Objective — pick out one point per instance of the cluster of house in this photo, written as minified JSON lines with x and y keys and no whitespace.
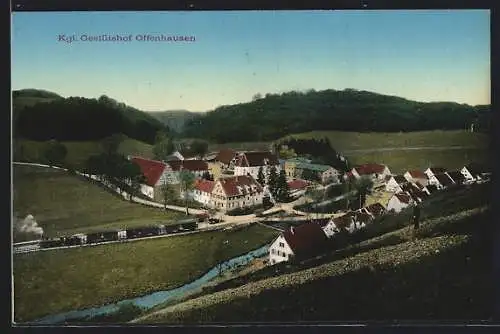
{"x":233,"y":175}
{"x":411,"y":187}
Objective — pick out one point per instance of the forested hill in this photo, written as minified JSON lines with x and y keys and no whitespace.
{"x":78,"y":118}
{"x":277,"y":115}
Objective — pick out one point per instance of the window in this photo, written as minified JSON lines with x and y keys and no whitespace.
{"x":282,"y":244}
{"x":273,"y":251}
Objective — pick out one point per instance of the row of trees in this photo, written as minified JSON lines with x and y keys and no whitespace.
{"x":276,"y":183}
{"x":164,"y":146}
{"x":114,"y":168}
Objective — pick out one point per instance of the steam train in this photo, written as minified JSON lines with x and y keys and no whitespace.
{"x":117,"y":235}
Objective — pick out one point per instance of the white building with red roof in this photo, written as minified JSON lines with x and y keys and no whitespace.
{"x":302,"y":240}
{"x":154,"y":172}
{"x":249,"y":163}
{"x":399,"y":201}
{"x":417,"y":176}
{"x":297,"y":187}
{"x":377,"y":172}
{"x":202,"y":191}
{"x":228,"y":193}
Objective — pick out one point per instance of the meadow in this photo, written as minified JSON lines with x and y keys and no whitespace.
{"x":80,"y":151}
{"x":64,"y":203}
{"x":56,"y":281}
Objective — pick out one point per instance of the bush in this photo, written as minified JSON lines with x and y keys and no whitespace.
{"x":244,"y":211}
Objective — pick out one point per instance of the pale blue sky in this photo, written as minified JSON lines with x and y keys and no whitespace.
{"x":421,"y":55}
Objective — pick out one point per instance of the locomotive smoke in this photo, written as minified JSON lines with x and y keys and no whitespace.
{"x":28,"y":225}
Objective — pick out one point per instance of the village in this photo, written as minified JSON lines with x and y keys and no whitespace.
{"x":231,"y":180}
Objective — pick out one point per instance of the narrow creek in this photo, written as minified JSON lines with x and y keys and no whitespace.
{"x":155,"y":298}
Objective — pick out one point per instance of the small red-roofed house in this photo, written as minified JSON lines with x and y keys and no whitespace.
{"x":399,"y":201}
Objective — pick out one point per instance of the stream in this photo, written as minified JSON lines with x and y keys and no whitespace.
{"x":155,"y":298}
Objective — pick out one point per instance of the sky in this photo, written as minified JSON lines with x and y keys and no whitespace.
{"x":440,"y":55}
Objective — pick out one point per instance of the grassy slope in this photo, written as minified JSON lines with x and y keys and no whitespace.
{"x":475,"y":148}
{"x":63,"y":203}
{"x":62,"y":280}
{"x":345,"y":141}
{"x":442,"y":274}
{"x":78,"y":152}
{"x":444,"y":215}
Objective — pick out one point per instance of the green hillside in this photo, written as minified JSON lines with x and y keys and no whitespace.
{"x":78,"y":118}
{"x":278,"y":115}
{"x":80,"y":151}
{"x":64,"y":204}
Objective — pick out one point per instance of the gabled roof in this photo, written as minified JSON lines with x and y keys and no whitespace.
{"x":151,"y":169}
{"x":297,"y":184}
{"x":375,"y":209}
{"x":400,"y":179}
{"x":256,"y":158}
{"x":369,"y":169}
{"x":190,"y":165}
{"x":414,"y":191}
{"x":437,"y":170}
{"x":456,"y":176}
{"x":205,"y":186}
{"x":239,"y":185}
{"x":225,"y":155}
{"x":403,"y":197}
{"x":444,"y":179}
{"x":344,"y":221}
{"x":363,"y":217}
{"x":305,"y":238}
{"x":320,"y":221}
{"x":431,"y":188}
{"x":417,"y":174}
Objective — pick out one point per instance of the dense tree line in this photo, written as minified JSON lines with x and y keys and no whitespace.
{"x":277,"y":115}
{"x":76,"y":118}
{"x":318,"y":150}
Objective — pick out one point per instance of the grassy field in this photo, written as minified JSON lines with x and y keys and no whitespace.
{"x":64,"y":204}
{"x":400,"y":161}
{"x":62,"y":280}
{"x":440,"y":273}
{"x":345,"y":141}
{"x":79,"y":152}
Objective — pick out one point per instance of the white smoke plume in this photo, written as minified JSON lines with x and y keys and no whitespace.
{"x":28,"y":225}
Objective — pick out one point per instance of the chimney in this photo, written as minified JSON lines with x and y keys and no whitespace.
{"x":292,"y":230}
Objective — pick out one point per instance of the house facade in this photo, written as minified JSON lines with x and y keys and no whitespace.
{"x":297,"y":187}
{"x":432,"y":171}
{"x":290,"y":166}
{"x":300,"y":241}
{"x":249,"y":163}
{"x":155,"y":172}
{"x":398,"y":202}
{"x":280,"y":250}
{"x":417,"y":176}
{"x":377,"y":172}
{"x":174,"y":168}
{"x":202,"y":192}
{"x":395,"y":183}
{"x":474,"y":173}
{"x":228,"y":193}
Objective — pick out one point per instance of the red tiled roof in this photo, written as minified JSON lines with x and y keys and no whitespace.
{"x":151,"y":169}
{"x":403,"y":197}
{"x":304,"y":238}
{"x":297,"y":184}
{"x":414,"y":191}
{"x":226,"y":155}
{"x":191,"y":165}
{"x":254,"y":159}
{"x":363,"y":217}
{"x":235,"y":185}
{"x":205,"y":185}
{"x":320,"y":221}
{"x":345,"y":220}
{"x":370,"y":169}
{"x":417,"y":174}
{"x":375,"y":209}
